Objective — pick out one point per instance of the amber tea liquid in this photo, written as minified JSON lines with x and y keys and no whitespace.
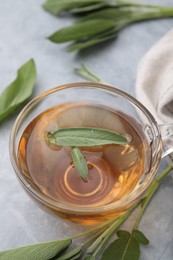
{"x":113,"y":169}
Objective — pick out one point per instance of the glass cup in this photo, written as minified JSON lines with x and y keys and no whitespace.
{"x":112,"y":99}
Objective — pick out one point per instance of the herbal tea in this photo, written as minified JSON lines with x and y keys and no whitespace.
{"x":113,"y":170}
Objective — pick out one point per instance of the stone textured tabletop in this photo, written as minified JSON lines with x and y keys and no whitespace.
{"x":24,"y":26}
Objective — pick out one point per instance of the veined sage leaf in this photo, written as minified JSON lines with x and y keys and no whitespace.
{"x":140,"y":237}
{"x":19,"y":90}
{"x":79,"y":162}
{"x":124,"y":248}
{"x":82,"y":30}
{"x":42,"y":251}
{"x":82,"y":136}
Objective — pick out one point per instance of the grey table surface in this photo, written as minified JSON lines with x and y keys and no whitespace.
{"x":24,"y":26}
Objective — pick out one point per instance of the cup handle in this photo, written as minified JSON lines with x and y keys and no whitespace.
{"x":167,"y":139}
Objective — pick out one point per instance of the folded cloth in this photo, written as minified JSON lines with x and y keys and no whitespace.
{"x":154,"y":84}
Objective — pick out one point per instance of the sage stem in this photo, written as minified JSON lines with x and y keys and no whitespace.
{"x":149,"y":194}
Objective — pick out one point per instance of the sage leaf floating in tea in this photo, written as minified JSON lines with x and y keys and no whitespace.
{"x":81,"y":136}
{"x":79,"y":162}
{"x":19,"y":90}
{"x":42,"y":251}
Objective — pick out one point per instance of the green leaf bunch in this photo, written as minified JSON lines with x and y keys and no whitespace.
{"x":100,"y":20}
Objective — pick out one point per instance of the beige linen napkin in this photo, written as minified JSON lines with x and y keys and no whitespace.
{"x":154,"y":84}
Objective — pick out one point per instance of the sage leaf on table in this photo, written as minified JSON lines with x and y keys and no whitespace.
{"x":79,"y":162}
{"x":126,"y":246}
{"x":80,"y":30}
{"x":19,"y":90}
{"x":101,"y":38}
{"x":74,"y":6}
{"x":85,"y":136}
{"x":140,"y":237}
{"x":42,"y":251}
{"x":101,"y":20}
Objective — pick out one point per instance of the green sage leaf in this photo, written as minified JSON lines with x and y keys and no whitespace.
{"x":75,"y":257}
{"x":140,"y":237}
{"x":123,"y":233}
{"x":124,"y":248}
{"x":72,"y":255}
{"x":90,"y":258}
{"x":106,"y":13}
{"x":79,"y":163}
{"x":56,"y":6}
{"x":101,"y":37}
{"x":82,"y":30}
{"x":109,"y":14}
{"x":91,"y":42}
{"x":88,"y":8}
{"x":19,"y":90}
{"x":42,"y":251}
{"x":85,"y":137}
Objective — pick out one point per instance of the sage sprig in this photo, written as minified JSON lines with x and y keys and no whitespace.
{"x":19,"y":90}
{"x":83,"y":137}
{"x":84,"y":72}
{"x":123,"y":248}
{"x":101,"y":20}
{"x":127,"y":246}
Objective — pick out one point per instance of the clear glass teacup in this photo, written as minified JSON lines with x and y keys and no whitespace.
{"x":118,"y":174}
